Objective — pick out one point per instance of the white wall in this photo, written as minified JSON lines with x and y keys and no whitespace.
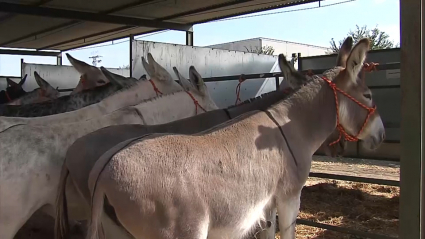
{"x":209,"y":63}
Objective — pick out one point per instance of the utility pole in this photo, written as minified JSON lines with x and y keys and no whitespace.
{"x":95,"y":59}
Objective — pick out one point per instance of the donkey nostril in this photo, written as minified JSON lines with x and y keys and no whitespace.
{"x":383,"y":136}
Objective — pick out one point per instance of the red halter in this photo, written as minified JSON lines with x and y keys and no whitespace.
{"x":341,"y":129}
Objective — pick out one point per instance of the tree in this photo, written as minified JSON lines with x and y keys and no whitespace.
{"x":266,"y":50}
{"x":379,"y":39}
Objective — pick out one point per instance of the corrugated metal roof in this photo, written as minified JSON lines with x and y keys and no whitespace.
{"x":68,"y":24}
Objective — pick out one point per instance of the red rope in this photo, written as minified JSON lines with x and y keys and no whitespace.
{"x":155,"y":88}
{"x":341,"y":129}
{"x":195,"y":102}
{"x":238,"y":89}
{"x":41,"y":93}
{"x":7,"y":96}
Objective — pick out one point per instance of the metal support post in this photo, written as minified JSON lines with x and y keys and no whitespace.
{"x":131,"y":55}
{"x":59,"y":60}
{"x":189,"y":37}
{"x":412,"y":107}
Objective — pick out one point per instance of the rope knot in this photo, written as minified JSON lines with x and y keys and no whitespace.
{"x":157,"y":91}
{"x":195,"y":101}
{"x":238,"y":88}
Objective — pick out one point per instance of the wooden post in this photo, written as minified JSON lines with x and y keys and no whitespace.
{"x":412,"y":110}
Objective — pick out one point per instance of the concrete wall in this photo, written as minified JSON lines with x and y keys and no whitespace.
{"x":209,"y":63}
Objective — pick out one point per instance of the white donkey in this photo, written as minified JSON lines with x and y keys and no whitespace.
{"x":32,"y":155}
{"x":161,"y":82}
{"x":219,"y":183}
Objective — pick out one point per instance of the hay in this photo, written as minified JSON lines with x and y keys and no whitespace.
{"x":360,"y":206}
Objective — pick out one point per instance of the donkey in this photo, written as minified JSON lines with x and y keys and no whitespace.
{"x":166,"y":186}
{"x":138,"y":90}
{"x":13,"y":91}
{"x":45,"y":93}
{"x":79,"y":162}
{"x":32,"y":155}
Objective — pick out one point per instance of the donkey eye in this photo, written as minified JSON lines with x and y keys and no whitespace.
{"x":101,"y":82}
{"x":368,"y":96}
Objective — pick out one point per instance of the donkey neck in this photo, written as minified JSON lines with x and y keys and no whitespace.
{"x":138,"y":92}
{"x":308,"y":117}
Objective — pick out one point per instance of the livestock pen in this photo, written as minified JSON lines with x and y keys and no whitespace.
{"x":406,"y":146}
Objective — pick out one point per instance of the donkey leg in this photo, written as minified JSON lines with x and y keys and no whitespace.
{"x":288,"y":208}
{"x":12,"y":219}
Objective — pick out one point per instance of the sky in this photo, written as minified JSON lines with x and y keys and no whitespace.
{"x":307,"y":23}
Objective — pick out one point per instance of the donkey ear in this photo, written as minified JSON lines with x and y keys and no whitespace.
{"x":11,"y":82}
{"x":160,"y":72}
{"x":23,"y":80}
{"x":183,"y":81}
{"x":292,"y":76}
{"x":40,"y":81}
{"x":80,"y":66}
{"x":149,"y":69}
{"x":113,"y":78}
{"x":344,"y":51}
{"x":143,"y":77}
{"x":357,"y":57}
{"x":197,"y":80}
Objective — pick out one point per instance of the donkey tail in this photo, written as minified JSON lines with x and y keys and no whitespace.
{"x":61,"y":219}
{"x":95,"y":229}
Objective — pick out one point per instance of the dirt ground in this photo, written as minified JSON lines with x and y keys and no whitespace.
{"x":360,"y":206}
{"x":366,"y":207}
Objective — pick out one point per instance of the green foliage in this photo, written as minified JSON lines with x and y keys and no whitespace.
{"x":379,"y":39}
{"x":266,"y":50}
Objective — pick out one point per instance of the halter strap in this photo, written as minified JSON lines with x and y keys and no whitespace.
{"x":342,"y":131}
{"x":283,"y":134}
{"x":42,"y":93}
{"x":195,"y":102}
{"x":155,"y":88}
{"x":238,"y":89}
{"x":7,"y":96}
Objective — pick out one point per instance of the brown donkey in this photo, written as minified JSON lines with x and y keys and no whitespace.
{"x":221,"y":181}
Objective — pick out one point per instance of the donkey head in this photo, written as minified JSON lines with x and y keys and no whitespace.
{"x":185,"y":83}
{"x":91,"y":77}
{"x":159,"y":75}
{"x":296,"y":80}
{"x":14,"y":90}
{"x":45,"y":90}
{"x":358,"y":116}
{"x":196,"y":85}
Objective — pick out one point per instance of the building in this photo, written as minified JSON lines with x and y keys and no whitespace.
{"x":280,"y":46}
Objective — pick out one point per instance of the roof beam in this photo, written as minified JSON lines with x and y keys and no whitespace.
{"x":92,"y":17}
{"x":183,"y":14}
{"x":71,"y":23}
{"x":29,"y":53}
{"x":9,"y":16}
